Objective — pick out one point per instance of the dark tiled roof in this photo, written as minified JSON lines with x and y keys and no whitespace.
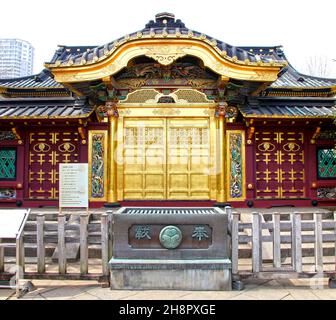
{"x":290,"y":78}
{"x":164,"y":25}
{"x":43,"y":80}
{"x":42,"y":108}
{"x":273,"y":52}
{"x":289,"y":108}
{"x":65,"y":52}
{"x":293,"y":79}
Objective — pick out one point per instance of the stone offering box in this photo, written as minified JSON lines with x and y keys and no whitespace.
{"x":170,"y":248}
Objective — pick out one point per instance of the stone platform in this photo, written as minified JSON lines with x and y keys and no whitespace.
{"x":170,"y":274}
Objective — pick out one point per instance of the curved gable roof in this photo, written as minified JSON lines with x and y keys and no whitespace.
{"x":164,"y":26}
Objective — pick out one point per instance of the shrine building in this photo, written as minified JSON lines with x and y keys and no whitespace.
{"x":170,"y":116}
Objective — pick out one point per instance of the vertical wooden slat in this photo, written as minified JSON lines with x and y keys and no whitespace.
{"x":40,"y":243}
{"x":318,"y":242}
{"x":276,"y":240}
{"x":227,"y":231}
{"x":84,"y":252}
{"x":61,"y":244}
{"x":298,"y":242}
{"x":228,"y":211}
{"x":22,"y":253}
{"x":293,"y":258}
{"x":235,"y":242}
{"x":104,"y":243}
{"x":2,"y":258}
{"x":256,"y":243}
{"x":18,"y":268}
{"x":110,"y":233}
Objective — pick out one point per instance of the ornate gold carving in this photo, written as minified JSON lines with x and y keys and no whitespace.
{"x":41,"y":147}
{"x":266,"y":146}
{"x":66,"y":147}
{"x":125,"y":112}
{"x":131,"y":83}
{"x":141,"y":96}
{"x":200,"y":83}
{"x":209,"y":112}
{"x":220,"y":109}
{"x":180,"y":96}
{"x":191,"y":96}
{"x":165,"y":55}
{"x":291,"y":146}
{"x":111,"y":109}
{"x":166,"y":112}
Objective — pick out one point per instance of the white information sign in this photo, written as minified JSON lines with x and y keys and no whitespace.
{"x":73,"y":185}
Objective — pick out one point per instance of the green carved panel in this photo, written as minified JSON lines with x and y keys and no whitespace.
{"x":236,"y":165}
{"x":97,"y":165}
{"x":7,"y":163}
{"x":326,"y":162}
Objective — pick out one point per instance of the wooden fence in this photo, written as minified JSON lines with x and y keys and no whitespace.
{"x":293,"y":233}
{"x":58,"y":235}
{"x":287,"y":234}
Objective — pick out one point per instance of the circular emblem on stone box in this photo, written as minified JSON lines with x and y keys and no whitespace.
{"x":170,"y":237}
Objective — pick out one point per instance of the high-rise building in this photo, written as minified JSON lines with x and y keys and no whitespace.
{"x":16,"y":58}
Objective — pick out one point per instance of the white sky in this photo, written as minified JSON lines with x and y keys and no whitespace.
{"x":304,"y":28}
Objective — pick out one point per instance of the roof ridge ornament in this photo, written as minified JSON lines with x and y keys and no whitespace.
{"x":165,"y":19}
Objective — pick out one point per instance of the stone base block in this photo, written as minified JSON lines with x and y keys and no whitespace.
{"x":332,"y":283}
{"x":135,"y":274}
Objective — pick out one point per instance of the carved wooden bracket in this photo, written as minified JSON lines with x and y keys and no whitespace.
{"x":81,"y":132}
{"x":111,"y":109}
{"x":316,"y":133}
{"x":250,"y":133}
{"x":17,"y":135}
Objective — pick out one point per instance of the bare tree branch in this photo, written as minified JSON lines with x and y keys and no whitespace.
{"x":318,"y":66}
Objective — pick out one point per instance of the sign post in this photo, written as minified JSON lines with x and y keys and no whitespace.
{"x":73,"y":186}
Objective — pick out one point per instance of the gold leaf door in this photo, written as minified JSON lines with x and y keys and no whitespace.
{"x":144,"y":159}
{"x":188,"y":149}
{"x":166,"y":158}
